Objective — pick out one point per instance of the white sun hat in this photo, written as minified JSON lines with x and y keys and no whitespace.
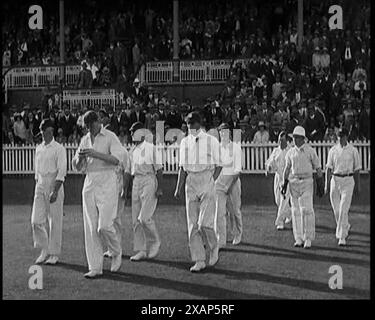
{"x":299,"y":131}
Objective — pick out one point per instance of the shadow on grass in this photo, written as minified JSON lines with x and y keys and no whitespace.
{"x":299,"y":254}
{"x":320,"y":228}
{"x":274,"y":279}
{"x":300,"y":251}
{"x":199,"y":290}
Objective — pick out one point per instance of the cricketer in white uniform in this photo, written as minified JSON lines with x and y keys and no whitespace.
{"x":147,"y":170}
{"x":47,"y":212}
{"x":199,"y":168}
{"x":228,"y":188}
{"x":276,"y":163}
{"x":301,"y":161}
{"x":122,"y":189}
{"x":343,"y":165}
{"x":98,"y":155}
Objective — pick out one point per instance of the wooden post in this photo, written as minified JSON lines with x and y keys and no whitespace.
{"x":300,"y":25}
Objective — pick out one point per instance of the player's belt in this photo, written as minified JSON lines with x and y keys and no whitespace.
{"x":343,"y":175}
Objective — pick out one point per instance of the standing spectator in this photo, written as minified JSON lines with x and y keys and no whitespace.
{"x":118,"y":58}
{"x":136,"y":54}
{"x":85,"y":78}
{"x":348,"y":59}
{"x":314,"y":125}
{"x":136,"y":91}
{"x":364,"y":122}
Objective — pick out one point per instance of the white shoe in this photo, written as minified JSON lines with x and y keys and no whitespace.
{"x":342,"y":242}
{"x":43,"y":256}
{"x":298,"y":243}
{"x":116,"y":262}
{"x":288,"y":220}
{"x":107,"y":254}
{"x":93,"y":274}
{"x":236,"y":240}
{"x":199,"y":266}
{"x":307,"y":244}
{"x":139,"y":256}
{"x":214,"y":256}
{"x":280,"y":227}
{"x":154,"y":250}
{"x":52,"y":260}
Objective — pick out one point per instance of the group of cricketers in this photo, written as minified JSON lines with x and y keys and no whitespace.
{"x":209,"y":174}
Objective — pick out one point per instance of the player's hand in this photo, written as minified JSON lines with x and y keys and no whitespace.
{"x":89,"y":153}
{"x":53,"y":197}
{"x":159,"y":193}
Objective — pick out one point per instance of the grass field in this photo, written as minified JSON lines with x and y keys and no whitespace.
{"x":265,"y":265}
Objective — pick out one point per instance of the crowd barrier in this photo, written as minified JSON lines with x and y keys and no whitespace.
{"x":19,"y":160}
{"x":189,"y":71}
{"x":40,"y":76}
{"x":92,"y":97}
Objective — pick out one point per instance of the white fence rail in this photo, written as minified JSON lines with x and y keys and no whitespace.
{"x":189,"y":71}
{"x":19,"y":160}
{"x":41,"y":76}
{"x":91,"y":97}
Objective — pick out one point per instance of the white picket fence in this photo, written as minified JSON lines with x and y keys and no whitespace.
{"x":19,"y":160}
{"x":91,"y":97}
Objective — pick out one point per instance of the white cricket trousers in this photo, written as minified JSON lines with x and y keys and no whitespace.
{"x":144,"y":203}
{"x":46,"y":217}
{"x":227,"y":202}
{"x":303,"y":216}
{"x":283,"y":207}
{"x":341,"y":198}
{"x":100,"y":202}
{"x":200,"y":212}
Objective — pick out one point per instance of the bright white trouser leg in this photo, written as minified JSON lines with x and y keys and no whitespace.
{"x":283,"y":207}
{"x":144,"y":203}
{"x":100,"y":200}
{"x":200,"y":212}
{"x":46,"y":217}
{"x":341,"y":198}
{"x":303,"y":216}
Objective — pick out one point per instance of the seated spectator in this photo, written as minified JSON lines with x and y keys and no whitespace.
{"x":124,"y":136}
{"x":105,"y":79}
{"x":262,"y":135}
{"x":19,"y":129}
{"x":60,"y":138}
{"x":74,"y":138}
{"x":330,"y":135}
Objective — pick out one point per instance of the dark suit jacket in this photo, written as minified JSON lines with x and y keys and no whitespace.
{"x":134,"y":118}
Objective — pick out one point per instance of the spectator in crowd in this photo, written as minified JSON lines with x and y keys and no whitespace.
{"x":314,"y":125}
{"x":262,"y":135}
{"x":85,"y":78}
{"x":19,"y":129}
